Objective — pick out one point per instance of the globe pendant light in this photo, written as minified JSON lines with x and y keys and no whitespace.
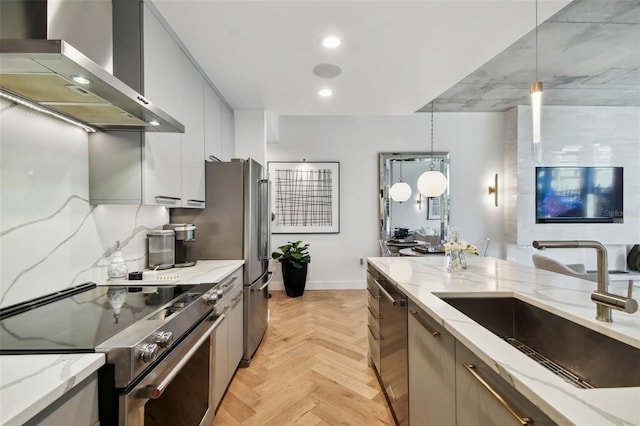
{"x":432,"y":183}
{"x":400,"y":191}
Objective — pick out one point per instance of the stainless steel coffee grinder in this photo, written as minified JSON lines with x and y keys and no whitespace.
{"x":185,"y":235}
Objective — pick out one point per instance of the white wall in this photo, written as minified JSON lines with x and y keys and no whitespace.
{"x":473,"y":140}
{"x":51,"y":238}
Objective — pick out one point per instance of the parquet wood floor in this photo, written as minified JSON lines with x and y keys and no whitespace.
{"x":311,"y":368}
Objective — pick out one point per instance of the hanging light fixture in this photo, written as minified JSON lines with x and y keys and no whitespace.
{"x":536,"y":102}
{"x":432,"y":183}
{"x":400,"y":191}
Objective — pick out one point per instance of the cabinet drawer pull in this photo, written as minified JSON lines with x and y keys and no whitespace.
{"x":232,"y":280}
{"x":377,"y":296}
{"x":373,"y":314}
{"x":166,"y":197}
{"x":372,"y":335}
{"x":416,"y":315}
{"x":235,"y":299}
{"x":195,"y":201}
{"x":522,"y":420}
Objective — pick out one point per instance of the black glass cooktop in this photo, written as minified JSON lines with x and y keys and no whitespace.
{"x":79,"y":322}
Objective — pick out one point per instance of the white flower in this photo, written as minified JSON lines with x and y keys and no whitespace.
{"x":462,"y":246}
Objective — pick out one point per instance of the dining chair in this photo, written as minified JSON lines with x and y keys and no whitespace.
{"x":574,"y":270}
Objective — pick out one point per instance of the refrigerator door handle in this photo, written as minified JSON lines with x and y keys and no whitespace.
{"x":264,"y":234}
{"x":265,"y":285}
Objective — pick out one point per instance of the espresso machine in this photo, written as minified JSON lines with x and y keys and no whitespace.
{"x":185,"y":234}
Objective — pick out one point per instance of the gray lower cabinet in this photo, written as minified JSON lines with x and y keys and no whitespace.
{"x":449,"y":385}
{"x":485,"y":398}
{"x":229,"y":343}
{"x":432,"y":371}
{"x":236,"y":323}
{"x":79,"y":406}
{"x":221,"y":362}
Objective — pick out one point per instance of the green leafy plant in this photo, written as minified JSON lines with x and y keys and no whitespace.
{"x":294,"y":253}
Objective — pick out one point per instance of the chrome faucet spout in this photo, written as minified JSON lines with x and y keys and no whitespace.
{"x":604,"y":300}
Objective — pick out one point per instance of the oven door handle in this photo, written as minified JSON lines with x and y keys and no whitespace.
{"x":155,"y":391}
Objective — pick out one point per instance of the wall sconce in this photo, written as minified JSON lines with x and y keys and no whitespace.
{"x":419,"y":202}
{"x":494,"y":189}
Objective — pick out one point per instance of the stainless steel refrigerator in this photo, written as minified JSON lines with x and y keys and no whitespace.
{"x":235,"y":224}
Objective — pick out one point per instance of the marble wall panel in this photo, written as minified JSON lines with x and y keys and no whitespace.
{"x":580,"y":136}
{"x":51,"y":238}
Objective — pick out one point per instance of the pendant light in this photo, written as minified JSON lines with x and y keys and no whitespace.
{"x":432,"y":183}
{"x":400,"y":191}
{"x":536,"y":101}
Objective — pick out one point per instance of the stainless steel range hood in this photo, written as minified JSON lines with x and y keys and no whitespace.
{"x":58,"y":77}
{"x":43,"y":71}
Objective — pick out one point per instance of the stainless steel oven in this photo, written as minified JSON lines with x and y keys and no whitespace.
{"x":179,"y":389}
{"x":159,"y":344}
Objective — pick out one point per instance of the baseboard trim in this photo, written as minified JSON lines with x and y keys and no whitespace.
{"x":324,"y":285}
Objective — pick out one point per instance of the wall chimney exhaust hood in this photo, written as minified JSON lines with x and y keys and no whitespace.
{"x":57,"y":77}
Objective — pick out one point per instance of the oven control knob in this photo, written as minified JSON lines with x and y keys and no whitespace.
{"x":149,"y":352}
{"x":220,"y":292}
{"x":163,"y":338}
{"x":210,"y":297}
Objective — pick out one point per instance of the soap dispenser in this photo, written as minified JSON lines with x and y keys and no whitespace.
{"x":117,"y":267}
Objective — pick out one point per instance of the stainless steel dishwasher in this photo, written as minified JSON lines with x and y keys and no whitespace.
{"x":393,"y":347}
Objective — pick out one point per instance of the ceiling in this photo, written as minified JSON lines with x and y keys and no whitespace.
{"x":588,"y":54}
{"x":396,"y":56}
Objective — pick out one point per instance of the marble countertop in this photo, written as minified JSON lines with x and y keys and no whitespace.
{"x":29,"y":383}
{"x":423,"y":278}
{"x":204,"y":271}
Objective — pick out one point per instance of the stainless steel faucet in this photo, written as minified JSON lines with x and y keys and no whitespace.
{"x":604,"y":300}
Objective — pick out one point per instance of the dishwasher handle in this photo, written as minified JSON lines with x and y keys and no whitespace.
{"x":385,"y":293}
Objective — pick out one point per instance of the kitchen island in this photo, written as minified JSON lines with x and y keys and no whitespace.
{"x":424,"y":279}
{"x":31,"y":384}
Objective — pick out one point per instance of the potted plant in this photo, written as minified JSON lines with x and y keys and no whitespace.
{"x":294,"y":258}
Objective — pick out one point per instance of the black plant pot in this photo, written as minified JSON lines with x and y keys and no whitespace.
{"x":294,"y":279}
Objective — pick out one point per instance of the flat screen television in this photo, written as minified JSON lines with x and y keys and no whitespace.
{"x":579,"y":195}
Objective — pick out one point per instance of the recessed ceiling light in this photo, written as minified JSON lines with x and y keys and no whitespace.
{"x":331,"y":42}
{"x":325,"y":93}
{"x":80,"y":79}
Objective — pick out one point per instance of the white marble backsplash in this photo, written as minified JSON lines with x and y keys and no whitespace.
{"x":51,"y":238}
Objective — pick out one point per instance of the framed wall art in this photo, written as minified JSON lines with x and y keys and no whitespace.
{"x":433,"y":209}
{"x":305,"y":197}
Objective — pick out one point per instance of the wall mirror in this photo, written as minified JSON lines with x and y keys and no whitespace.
{"x":417,"y":213}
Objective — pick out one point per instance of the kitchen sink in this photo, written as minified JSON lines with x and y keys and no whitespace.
{"x":579,"y":355}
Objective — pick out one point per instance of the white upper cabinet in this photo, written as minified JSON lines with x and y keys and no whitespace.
{"x":173,"y":166}
{"x":163,"y":72}
{"x":212,"y":124}
{"x":193,"y":138}
{"x":228,"y":134}
{"x":156,"y":168}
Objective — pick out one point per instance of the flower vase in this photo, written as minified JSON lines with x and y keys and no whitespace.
{"x":453,"y":261}
{"x":463,"y":259}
